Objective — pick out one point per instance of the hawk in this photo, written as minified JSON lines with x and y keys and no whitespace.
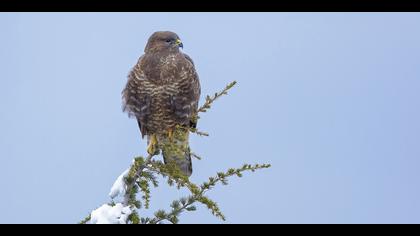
{"x":162,"y":93}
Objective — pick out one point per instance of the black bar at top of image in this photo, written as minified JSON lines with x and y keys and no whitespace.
{"x":210,"y":6}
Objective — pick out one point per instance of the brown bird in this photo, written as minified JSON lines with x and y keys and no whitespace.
{"x":162,"y":93}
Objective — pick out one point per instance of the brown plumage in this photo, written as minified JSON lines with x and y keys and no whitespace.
{"x":162,"y":92}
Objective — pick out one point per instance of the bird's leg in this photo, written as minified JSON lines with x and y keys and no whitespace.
{"x":151,"y":149}
{"x":171,"y":134}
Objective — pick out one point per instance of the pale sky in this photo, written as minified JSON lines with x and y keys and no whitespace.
{"x":331,"y":100}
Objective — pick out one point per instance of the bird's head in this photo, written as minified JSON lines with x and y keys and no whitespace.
{"x":163,"y":40}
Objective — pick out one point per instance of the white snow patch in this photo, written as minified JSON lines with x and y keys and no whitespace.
{"x":107,"y":214}
{"x":119,"y":187}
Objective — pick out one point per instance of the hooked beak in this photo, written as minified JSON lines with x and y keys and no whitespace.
{"x":179,"y":43}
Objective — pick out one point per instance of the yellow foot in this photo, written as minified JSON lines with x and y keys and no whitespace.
{"x":171,"y":134}
{"x":151,"y":149}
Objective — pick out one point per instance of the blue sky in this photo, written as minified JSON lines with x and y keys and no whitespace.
{"x":331,"y":100}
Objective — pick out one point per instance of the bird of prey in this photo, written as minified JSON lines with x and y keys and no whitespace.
{"x":162,"y":93}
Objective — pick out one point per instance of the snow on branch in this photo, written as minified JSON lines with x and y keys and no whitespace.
{"x":108,"y":214}
{"x":119,"y":187}
{"x":125,"y":205}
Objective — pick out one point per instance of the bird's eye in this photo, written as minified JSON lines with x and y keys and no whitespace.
{"x":168,"y":40}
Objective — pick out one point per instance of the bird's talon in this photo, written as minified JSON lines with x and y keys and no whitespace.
{"x":171,"y":135}
{"x":151,"y":149}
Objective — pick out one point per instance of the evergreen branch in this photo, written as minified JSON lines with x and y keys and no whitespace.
{"x":192,"y":130}
{"x":209,"y":100}
{"x":207,"y":105}
{"x":133,"y":182}
{"x":85,"y":220}
{"x":143,"y":171}
{"x":198,"y":132}
{"x":198,"y":194}
{"x":135,"y":173}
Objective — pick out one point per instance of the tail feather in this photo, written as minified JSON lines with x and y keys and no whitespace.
{"x":176,"y":150}
{"x":184,"y":162}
